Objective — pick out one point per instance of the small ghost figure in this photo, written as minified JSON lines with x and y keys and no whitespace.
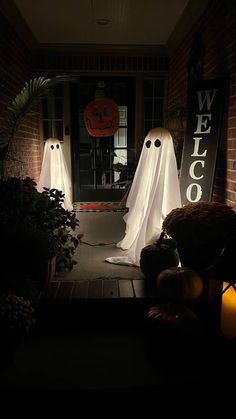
{"x":154,"y":193}
{"x":54,"y":173}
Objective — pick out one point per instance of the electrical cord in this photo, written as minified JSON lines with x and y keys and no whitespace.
{"x":97,"y":244}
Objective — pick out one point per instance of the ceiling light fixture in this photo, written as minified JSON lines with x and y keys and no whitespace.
{"x":103,"y":21}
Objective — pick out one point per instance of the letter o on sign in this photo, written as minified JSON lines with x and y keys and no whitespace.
{"x":197,"y":192}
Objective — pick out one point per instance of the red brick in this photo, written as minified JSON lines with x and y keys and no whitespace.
{"x":15,"y":55}
{"x":231,"y":154}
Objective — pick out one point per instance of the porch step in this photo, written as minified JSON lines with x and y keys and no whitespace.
{"x":102,"y":303}
{"x":106,"y":302}
{"x":86,"y":313}
{"x":100,"y":288}
{"x":104,"y":314}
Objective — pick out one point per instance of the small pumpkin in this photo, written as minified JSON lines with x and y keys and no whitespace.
{"x":101,"y":117}
{"x":177,"y":316}
{"x":179,"y":284}
{"x":174,"y":335}
{"x":158,"y":256}
{"x":172,"y":321}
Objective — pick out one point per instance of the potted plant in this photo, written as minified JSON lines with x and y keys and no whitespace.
{"x":23,"y":210}
{"x":16,"y":321}
{"x":205,"y":233}
{"x":35,"y":255}
{"x":35,"y":227}
{"x":62,"y":223}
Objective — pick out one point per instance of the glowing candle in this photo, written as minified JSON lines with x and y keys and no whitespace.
{"x":228,"y":312}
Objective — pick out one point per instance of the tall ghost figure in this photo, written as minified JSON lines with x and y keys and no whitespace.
{"x":54,"y":173}
{"x":154,"y":193}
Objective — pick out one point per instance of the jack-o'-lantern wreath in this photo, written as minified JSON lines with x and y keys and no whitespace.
{"x":101,"y":117}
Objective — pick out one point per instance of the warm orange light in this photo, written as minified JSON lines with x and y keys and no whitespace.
{"x":228,"y":312}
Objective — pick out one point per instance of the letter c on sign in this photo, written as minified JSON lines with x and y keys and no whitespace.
{"x":192,"y":167}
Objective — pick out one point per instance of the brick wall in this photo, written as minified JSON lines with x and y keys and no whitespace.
{"x":217,"y":27}
{"x":15,"y":69}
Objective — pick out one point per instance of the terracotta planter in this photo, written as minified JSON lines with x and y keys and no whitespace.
{"x":51,"y":271}
{"x":43,"y":272}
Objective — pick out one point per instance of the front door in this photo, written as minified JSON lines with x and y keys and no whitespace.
{"x":102,"y":166}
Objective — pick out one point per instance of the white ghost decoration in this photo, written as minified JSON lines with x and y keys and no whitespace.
{"x":154,"y":193}
{"x":54,"y":173}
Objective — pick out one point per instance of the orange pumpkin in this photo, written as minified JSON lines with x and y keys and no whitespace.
{"x":101,"y":117}
{"x":171,"y":327}
{"x":179,"y":284}
{"x":175,"y":316}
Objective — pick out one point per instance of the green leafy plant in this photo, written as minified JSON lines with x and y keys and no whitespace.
{"x":35,"y":243}
{"x":63,"y":224}
{"x":26,"y":213}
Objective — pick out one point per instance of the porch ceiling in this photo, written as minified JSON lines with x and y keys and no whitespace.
{"x":111,"y":22}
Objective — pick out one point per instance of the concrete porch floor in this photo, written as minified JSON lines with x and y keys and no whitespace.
{"x":101,"y":230}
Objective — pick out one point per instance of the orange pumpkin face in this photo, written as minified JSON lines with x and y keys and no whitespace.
{"x":101,"y":117}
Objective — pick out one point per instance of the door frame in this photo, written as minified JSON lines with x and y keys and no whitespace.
{"x":108,"y":194}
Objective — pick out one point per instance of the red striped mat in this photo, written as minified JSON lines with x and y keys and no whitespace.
{"x":100,"y":206}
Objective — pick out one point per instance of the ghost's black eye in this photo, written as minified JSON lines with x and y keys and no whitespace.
{"x":52,"y":147}
{"x":148,"y":144}
{"x":57,"y":146}
{"x":157,"y":143}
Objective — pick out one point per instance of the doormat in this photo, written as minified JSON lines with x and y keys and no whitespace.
{"x":100,"y":206}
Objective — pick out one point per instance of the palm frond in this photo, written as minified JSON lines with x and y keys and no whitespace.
{"x":32,"y":91}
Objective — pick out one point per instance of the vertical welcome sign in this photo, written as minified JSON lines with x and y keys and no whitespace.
{"x":205,"y":110}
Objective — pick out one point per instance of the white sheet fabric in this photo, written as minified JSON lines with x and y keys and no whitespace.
{"x":54,"y":173}
{"x":154,"y":193}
